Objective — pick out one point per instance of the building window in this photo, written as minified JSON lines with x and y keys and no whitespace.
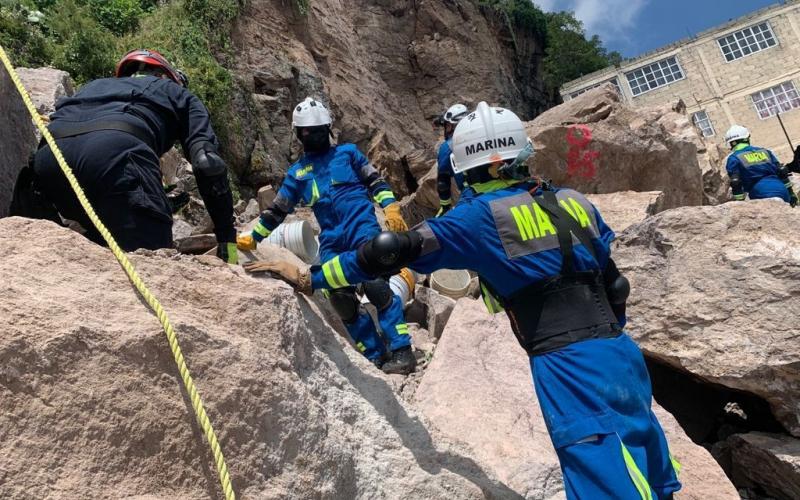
{"x":747,"y":41}
{"x":778,"y":99}
{"x":614,"y":81}
{"x":703,"y":122}
{"x":655,"y":75}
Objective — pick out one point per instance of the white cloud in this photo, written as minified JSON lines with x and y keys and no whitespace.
{"x":610,"y":19}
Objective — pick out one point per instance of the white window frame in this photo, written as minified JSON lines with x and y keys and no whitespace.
{"x":650,"y":65}
{"x":697,"y":123}
{"x":785,"y":89}
{"x":753,"y":34}
{"x":615,"y":81}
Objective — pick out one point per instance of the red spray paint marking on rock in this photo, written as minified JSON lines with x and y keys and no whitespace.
{"x":581,"y":161}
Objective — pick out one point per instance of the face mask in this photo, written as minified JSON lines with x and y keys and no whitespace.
{"x":317,"y":140}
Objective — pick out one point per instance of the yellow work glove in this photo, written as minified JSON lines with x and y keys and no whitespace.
{"x":300,"y":279}
{"x":246,"y":242}
{"x":227,"y":252}
{"x":394,"y":219}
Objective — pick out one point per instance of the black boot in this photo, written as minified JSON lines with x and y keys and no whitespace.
{"x":402,"y":362}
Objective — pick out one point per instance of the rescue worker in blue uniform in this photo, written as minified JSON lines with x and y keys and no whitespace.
{"x":755,"y":171}
{"x":112,"y":133}
{"x":543,"y":256}
{"x":448,"y":121}
{"x":337,"y":182}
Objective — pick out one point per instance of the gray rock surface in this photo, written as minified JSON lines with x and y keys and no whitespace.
{"x":623,"y":209}
{"x":478,"y":390}
{"x":92,"y":406}
{"x":17,"y":139}
{"x":713,"y":294}
{"x":386,"y":68}
{"x":46,"y":86}
{"x":768,"y":461}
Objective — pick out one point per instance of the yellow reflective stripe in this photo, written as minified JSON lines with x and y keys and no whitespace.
{"x":261,"y":229}
{"x":326,"y":293}
{"x":314,"y":193}
{"x":382,"y":196}
{"x":675,"y":465}
{"x":445,"y":202}
{"x":738,"y":197}
{"x":492,"y":305}
{"x":361,"y":347}
{"x":334,"y":274}
{"x":642,"y":486}
{"x":402,"y":329}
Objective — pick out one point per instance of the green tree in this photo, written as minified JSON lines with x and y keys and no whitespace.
{"x":568,"y":54}
{"x":117,"y":16}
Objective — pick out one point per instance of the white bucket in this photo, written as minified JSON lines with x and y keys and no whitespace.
{"x":297,"y":237}
{"x":451,"y":282}
{"x":402,"y":285}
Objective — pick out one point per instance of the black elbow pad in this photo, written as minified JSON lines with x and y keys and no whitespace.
{"x":206,"y":161}
{"x":443,"y":186}
{"x":618,"y":290}
{"x":783,"y":173}
{"x":736,"y":184}
{"x":389,"y":252}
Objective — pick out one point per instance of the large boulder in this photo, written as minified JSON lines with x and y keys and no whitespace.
{"x":714,"y":289}
{"x":93,"y":405}
{"x":597,"y":144}
{"x":478,"y":390}
{"x":17,"y":139}
{"x":46,"y":86}
{"x":770,"y":462}
{"x":623,"y":209}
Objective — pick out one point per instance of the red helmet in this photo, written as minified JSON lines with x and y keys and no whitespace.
{"x":130,"y":64}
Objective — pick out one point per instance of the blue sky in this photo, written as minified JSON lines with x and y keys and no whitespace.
{"x":636,"y":26}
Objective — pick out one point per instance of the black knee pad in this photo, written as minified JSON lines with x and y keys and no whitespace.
{"x":379,"y":293}
{"x":345,"y":303}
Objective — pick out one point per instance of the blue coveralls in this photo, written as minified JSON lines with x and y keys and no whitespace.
{"x":120,"y":172}
{"x":444,"y":169}
{"x":595,"y":394}
{"x":337,"y":185}
{"x":758,"y":169}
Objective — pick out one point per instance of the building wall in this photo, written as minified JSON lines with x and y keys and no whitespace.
{"x":723,"y":89}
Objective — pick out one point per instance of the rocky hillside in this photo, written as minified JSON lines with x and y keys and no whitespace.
{"x":386,"y":68}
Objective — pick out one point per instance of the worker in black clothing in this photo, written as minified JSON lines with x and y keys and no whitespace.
{"x":112,"y":133}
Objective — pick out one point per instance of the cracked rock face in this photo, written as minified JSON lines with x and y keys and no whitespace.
{"x":715,"y":293}
{"x":17,"y":139}
{"x":478,"y":390}
{"x":597,"y":144}
{"x":92,"y":404}
{"x":386,"y":69}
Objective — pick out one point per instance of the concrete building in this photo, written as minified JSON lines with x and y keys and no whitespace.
{"x":746,"y":72}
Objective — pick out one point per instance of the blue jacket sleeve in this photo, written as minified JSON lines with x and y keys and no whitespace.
{"x":732,"y":165}
{"x":378,"y":188}
{"x":444,"y":174}
{"x":448,"y":243}
{"x":283,"y":204}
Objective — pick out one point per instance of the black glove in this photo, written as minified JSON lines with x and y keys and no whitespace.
{"x":227,"y":252}
{"x":794,"y":165}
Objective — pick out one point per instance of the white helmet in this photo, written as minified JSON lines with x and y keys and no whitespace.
{"x":488,"y":135}
{"x":455,"y":113}
{"x":736,"y":133}
{"x":310,"y":113}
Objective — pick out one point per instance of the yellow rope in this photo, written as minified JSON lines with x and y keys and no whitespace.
{"x":197,"y":403}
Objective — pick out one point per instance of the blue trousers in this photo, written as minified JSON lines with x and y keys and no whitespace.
{"x":769,"y":187}
{"x":595,"y":397}
{"x":393,"y":325}
{"x":364,"y":332}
